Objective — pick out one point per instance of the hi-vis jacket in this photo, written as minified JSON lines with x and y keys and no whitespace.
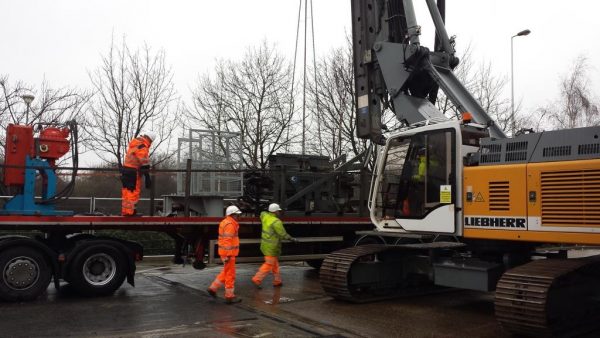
{"x":421,"y":169}
{"x":138,"y":153}
{"x":273,"y":233}
{"x":229,"y":242}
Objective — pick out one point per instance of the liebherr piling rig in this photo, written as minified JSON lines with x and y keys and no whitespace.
{"x":455,"y":202}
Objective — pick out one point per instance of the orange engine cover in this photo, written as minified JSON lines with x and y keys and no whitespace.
{"x":549,"y":202}
{"x":52,"y":143}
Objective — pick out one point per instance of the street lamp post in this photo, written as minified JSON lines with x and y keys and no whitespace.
{"x":27,"y":98}
{"x":512,"y":81}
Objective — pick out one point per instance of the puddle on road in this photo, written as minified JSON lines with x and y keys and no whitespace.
{"x":154,"y":270}
{"x":244,"y":330}
{"x":279,"y":301}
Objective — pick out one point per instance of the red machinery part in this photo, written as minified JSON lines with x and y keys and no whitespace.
{"x":19,"y":144}
{"x":52,"y":143}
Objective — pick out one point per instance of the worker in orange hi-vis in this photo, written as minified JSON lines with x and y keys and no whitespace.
{"x":136,"y":164}
{"x":273,"y":233}
{"x":229,"y":248}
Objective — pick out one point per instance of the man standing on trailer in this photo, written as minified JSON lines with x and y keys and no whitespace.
{"x":273,"y":233}
{"x":229,"y":248}
{"x":136,"y":164}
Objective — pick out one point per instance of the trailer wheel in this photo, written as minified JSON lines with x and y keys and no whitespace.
{"x":24,"y":274}
{"x":98,"y":270}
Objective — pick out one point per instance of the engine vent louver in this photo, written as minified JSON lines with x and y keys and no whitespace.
{"x":516,"y":156}
{"x":492,"y":148}
{"x":516,"y":151}
{"x":557,"y":151}
{"x":570,"y":198}
{"x":586,"y":149}
{"x":516,"y":146}
{"x":499,"y":196}
{"x":491,"y":153}
{"x":490,"y":158}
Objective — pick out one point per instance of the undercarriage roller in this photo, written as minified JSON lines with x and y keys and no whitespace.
{"x":372,"y":272}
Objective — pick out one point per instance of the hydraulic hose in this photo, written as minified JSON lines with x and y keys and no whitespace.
{"x":68,"y":190}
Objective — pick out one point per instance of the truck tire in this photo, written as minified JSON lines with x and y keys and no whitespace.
{"x":98,"y":270}
{"x":24,"y":274}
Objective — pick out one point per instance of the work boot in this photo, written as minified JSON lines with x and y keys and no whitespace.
{"x":211,"y":293}
{"x":277,"y":285}
{"x":232,"y":300}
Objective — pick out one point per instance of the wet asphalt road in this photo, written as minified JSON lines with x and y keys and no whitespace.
{"x":170,"y":301}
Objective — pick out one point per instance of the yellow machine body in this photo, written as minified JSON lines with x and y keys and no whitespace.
{"x":550,"y":202}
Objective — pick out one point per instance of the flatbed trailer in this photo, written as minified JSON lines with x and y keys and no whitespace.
{"x":98,"y":265}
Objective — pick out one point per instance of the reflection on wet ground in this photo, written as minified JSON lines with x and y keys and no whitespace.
{"x":170,"y":300}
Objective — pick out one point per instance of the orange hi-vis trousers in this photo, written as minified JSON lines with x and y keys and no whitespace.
{"x":227,"y":277}
{"x":271,"y":264}
{"x":130,"y":198}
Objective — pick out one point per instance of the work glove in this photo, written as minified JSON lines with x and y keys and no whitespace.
{"x":147,"y":180}
{"x":294,"y":240}
{"x":225,"y":259}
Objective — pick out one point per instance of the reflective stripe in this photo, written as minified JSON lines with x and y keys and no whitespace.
{"x":228,"y":247}
{"x":227,"y":235}
{"x":229,"y":293}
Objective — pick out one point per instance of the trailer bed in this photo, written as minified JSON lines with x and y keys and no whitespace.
{"x":153,"y":223}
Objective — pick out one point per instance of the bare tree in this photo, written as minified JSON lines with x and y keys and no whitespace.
{"x":576,"y":106}
{"x":332,"y":106}
{"x":488,"y":90}
{"x":487,"y":87}
{"x":134,"y":92}
{"x":253,"y":97}
{"x":49,"y":106}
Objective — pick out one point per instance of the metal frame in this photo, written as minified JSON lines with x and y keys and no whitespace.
{"x":214,"y":259}
{"x":210,"y":149}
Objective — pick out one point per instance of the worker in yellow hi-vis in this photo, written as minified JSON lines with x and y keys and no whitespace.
{"x":273,"y":233}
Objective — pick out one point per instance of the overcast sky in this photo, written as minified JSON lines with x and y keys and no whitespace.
{"x":62,"y":40}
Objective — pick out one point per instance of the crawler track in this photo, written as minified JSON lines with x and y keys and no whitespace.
{"x":336,"y":267}
{"x":551,"y":297}
{"x":375,"y":272}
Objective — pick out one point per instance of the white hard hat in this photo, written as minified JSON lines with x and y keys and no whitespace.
{"x":274,"y":207}
{"x":151,"y":135}
{"x":232,"y":209}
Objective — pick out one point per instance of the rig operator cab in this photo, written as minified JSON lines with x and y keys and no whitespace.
{"x":415,"y":183}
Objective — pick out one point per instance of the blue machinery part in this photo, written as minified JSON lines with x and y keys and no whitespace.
{"x":24,"y":204}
